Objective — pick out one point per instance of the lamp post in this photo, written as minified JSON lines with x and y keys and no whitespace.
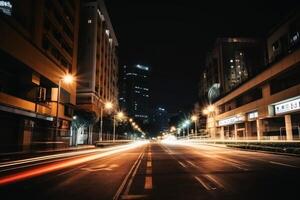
{"x":194,"y":118}
{"x":120,"y":116}
{"x":209,"y":111}
{"x":67,"y":79}
{"x":107,"y":106}
{"x":187,"y":124}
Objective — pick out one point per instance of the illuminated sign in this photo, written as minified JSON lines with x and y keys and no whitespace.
{"x":231,"y":120}
{"x":288,"y":106}
{"x":252,"y":115}
{"x":142,"y":67}
{"x":6,"y":7}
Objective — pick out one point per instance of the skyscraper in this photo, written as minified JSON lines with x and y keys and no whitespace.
{"x":231,"y":62}
{"x":160,"y":120}
{"x":134,"y":91}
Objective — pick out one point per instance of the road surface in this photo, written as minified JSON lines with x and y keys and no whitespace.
{"x":154,"y":171}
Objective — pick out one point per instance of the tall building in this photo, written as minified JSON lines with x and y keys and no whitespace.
{"x":267,"y":106}
{"x":38,"y":46}
{"x":134,"y":91}
{"x":160,"y":120}
{"x":97,"y":61}
{"x":231,"y":62}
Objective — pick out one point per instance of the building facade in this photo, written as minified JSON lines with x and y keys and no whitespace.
{"x":134,"y":92}
{"x":38,"y":46}
{"x":231,"y":62}
{"x":97,"y":63}
{"x":160,"y":120}
{"x":268,"y":105}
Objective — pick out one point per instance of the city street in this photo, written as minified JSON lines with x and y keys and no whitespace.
{"x":154,"y":171}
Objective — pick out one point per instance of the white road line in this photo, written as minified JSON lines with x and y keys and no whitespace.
{"x":191,"y":163}
{"x":183,"y":165}
{"x":148,"y":183}
{"x":206,"y":186}
{"x":149,"y":164}
{"x":283,"y":164}
{"x":131,"y":173}
{"x":211,"y":178}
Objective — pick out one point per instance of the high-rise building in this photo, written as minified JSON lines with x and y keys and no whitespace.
{"x":38,"y":46}
{"x":97,"y":60}
{"x":160,"y":120}
{"x":134,"y":91}
{"x":231,"y":62}
{"x":266,"y":106}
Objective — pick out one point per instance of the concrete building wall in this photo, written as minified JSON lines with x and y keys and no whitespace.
{"x":268,"y":105}
{"x":97,"y":61}
{"x":38,"y":50}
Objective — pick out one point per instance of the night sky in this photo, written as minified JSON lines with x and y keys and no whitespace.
{"x":173,"y":37}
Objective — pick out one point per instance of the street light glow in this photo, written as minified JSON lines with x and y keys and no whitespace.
{"x":120,"y":115}
{"x":194,"y":118}
{"x":108,"y":105}
{"x":205,"y":111}
{"x":211,"y":108}
{"x":68,"y":78}
{"x":187,"y":122}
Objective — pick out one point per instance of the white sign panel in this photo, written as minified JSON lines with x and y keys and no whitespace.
{"x":287,"y":106}
{"x":231,"y":120}
{"x":252,"y":115}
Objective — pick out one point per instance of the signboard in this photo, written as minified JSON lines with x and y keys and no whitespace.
{"x":252,"y":115}
{"x":288,"y":106}
{"x":231,"y":120}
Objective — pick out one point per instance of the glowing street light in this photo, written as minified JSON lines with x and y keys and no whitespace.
{"x":120,"y":115}
{"x":172,"y":129}
{"x":205,"y":111}
{"x":211,"y":108}
{"x":194,"y":118}
{"x":108,"y":105}
{"x":68,"y":78}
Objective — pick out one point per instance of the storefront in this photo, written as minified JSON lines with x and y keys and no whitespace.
{"x":289,"y":111}
{"x":232,"y":127}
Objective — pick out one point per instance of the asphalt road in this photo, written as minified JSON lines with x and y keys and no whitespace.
{"x":156,"y":171}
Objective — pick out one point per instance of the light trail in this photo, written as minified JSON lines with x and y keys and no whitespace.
{"x":64,"y":164}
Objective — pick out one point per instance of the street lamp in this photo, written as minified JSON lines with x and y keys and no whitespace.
{"x":120,"y":116}
{"x":67,"y":79}
{"x":194,"y":118}
{"x":107,"y":106}
{"x":187,"y":123}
